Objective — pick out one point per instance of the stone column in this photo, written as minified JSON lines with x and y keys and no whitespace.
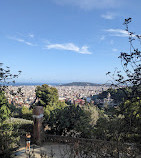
{"x":38,"y":129}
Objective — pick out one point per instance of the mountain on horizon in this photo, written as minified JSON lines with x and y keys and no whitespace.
{"x":81,"y":84}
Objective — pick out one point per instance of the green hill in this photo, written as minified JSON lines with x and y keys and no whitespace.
{"x":81,"y":84}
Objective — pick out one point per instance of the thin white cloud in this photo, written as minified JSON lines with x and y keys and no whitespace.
{"x":22,"y":41}
{"x":102,"y":38}
{"x":29,"y":43}
{"x":84,"y":50}
{"x":108,"y":16}
{"x":90,"y":4}
{"x":69,"y":47}
{"x":117,"y":32}
{"x":31,"y":35}
{"x":114,"y":50}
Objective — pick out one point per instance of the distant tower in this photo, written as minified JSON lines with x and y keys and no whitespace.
{"x":109,"y":96}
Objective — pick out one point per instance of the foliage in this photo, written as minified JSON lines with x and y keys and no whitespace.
{"x":73,"y":121}
{"x":130,"y":77}
{"x":14,"y":111}
{"x":94,"y":112}
{"x":4,"y":113}
{"x":117,"y":94}
{"x":132,"y":113}
{"x":26,"y":113}
{"x":132,"y":66}
{"x":110,"y":129}
{"x":8,"y":132}
{"x":88,"y":148}
{"x":48,"y":109}
{"x":6,"y":76}
{"x":131,"y":63}
{"x":4,"y":110}
{"x":3,"y":100}
{"x":18,"y":121}
{"x":9,"y":139}
{"x":22,"y":125}
{"x":65,"y":120}
{"x":46,"y":95}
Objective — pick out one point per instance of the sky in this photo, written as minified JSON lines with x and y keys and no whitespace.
{"x":60,"y":41}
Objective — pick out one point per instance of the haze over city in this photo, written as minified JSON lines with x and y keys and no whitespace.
{"x":60,"y":41}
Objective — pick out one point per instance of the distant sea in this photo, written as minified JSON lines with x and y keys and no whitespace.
{"x":34,"y":84}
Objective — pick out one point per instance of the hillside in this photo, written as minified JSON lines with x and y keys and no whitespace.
{"x":81,"y":84}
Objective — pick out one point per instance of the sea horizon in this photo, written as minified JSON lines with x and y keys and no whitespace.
{"x":48,"y":83}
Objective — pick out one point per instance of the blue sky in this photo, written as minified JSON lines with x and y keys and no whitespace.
{"x":65,"y":40}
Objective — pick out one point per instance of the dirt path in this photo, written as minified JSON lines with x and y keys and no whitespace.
{"x":48,"y":149}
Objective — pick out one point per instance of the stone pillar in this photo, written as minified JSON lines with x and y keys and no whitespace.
{"x":38,"y":129}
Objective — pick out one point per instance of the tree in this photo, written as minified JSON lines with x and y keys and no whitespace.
{"x":26,"y":113}
{"x":73,"y":121}
{"x":46,"y":95}
{"x":6,"y":76}
{"x":48,"y":109}
{"x":9,"y":139}
{"x":117,"y":94}
{"x":131,"y":78}
{"x":4,"y":107}
{"x":131,"y":63}
{"x":64,"y":120}
{"x":4,"y":113}
{"x":8,"y":133}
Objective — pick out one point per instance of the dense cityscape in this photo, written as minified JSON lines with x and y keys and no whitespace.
{"x":70,"y":94}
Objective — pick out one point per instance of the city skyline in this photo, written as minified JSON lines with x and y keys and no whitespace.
{"x":65,"y":41}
